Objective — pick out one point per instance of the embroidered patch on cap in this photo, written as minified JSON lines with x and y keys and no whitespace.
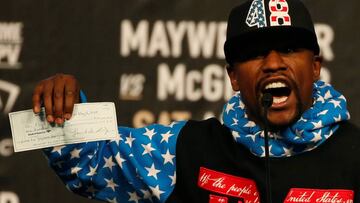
{"x":279,"y":13}
{"x":256,"y":15}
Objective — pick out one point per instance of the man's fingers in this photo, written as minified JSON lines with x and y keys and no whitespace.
{"x":71,"y":97}
{"x":48,"y":100}
{"x":58,"y":98}
{"x":58,"y":95}
{"x":36,"y":98}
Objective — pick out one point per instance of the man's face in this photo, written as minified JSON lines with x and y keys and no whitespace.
{"x":288,"y":75}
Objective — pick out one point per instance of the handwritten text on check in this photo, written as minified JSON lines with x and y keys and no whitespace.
{"x":89,"y":122}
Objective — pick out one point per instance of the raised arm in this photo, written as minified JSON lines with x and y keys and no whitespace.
{"x":138,"y":166}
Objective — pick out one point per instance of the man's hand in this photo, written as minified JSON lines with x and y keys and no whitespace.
{"x":58,"y":94}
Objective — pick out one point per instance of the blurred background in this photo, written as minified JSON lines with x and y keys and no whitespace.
{"x":157,"y":60}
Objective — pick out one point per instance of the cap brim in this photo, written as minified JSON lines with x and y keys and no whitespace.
{"x":262,"y":40}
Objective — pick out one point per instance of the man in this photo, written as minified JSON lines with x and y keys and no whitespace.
{"x":271,"y":48}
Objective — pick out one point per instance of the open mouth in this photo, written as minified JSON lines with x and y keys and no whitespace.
{"x":279,"y":90}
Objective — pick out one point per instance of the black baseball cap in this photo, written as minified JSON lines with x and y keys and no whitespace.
{"x":258,"y":26}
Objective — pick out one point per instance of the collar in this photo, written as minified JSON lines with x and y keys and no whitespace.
{"x":313,"y":128}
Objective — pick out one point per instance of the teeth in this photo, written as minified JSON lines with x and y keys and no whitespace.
{"x":278,"y":100}
{"x":275,"y":85}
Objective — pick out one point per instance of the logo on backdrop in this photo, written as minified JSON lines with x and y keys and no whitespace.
{"x":10,"y":44}
{"x":8,"y":95}
{"x":9,"y":197}
{"x":6,"y":148}
{"x":131,"y":86}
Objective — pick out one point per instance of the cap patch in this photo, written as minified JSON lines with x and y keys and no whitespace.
{"x":279,"y":13}
{"x":256,"y":15}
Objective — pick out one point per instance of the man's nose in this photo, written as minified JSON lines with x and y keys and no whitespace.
{"x":273,"y":62}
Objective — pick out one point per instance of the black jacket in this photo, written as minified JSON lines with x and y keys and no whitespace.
{"x":209,"y":145}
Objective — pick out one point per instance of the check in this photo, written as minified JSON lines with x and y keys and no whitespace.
{"x":89,"y":122}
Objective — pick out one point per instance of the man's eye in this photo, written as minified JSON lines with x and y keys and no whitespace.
{"x":258,"y":55}
{"x":250,"y":56}
{"x":288,"y":50}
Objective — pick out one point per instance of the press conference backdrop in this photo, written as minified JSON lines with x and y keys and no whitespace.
{"x":158,"y":60}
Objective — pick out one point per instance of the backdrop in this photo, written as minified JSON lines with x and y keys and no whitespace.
{"x":158,"y":60}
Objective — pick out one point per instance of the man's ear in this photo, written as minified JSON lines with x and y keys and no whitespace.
{"x":317,"y":67}
{"x":232,"y":76}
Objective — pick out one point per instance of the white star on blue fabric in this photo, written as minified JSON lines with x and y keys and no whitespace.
{"x":58,"y":149}
{"x":92,"y":171}
{"x":317,"y":136}
{"x":252,"y":136}
{"x":156,"y":191}
{"x":335,"y":103}
{"x":111,"y":184}
{"x":129,"y":140}
{"x":149,"y":133}
{"x":317,"y":125}
{"x":250,"y":124}
{"x":119,"y":160}
{"x":287,"y":151}
{"x":75,"y":170}
{"x":166,"y":136}
{"x":229,"y":107}
{"x":173,"y":179}
{"x":75,"y":153}
{"x":241,"y":105}
{"x":323,"y":112}
{"x":152,"y":171}
{"x":328,"y":95}
{"x":109,"y":163}
{"x":146,"y":194}
{"x":235,"y":134}
{"x":133,"y":197}
{"x":337,"y":118}
{"x":147,"y":149}
{"x":168,"y":158}
{"x":235,"y":121}
{"x":117,"y":139}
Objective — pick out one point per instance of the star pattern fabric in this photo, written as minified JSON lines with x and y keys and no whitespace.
{"x":139,"y":166}
{"x":256,"y":15}
{"x":315,"y":125}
